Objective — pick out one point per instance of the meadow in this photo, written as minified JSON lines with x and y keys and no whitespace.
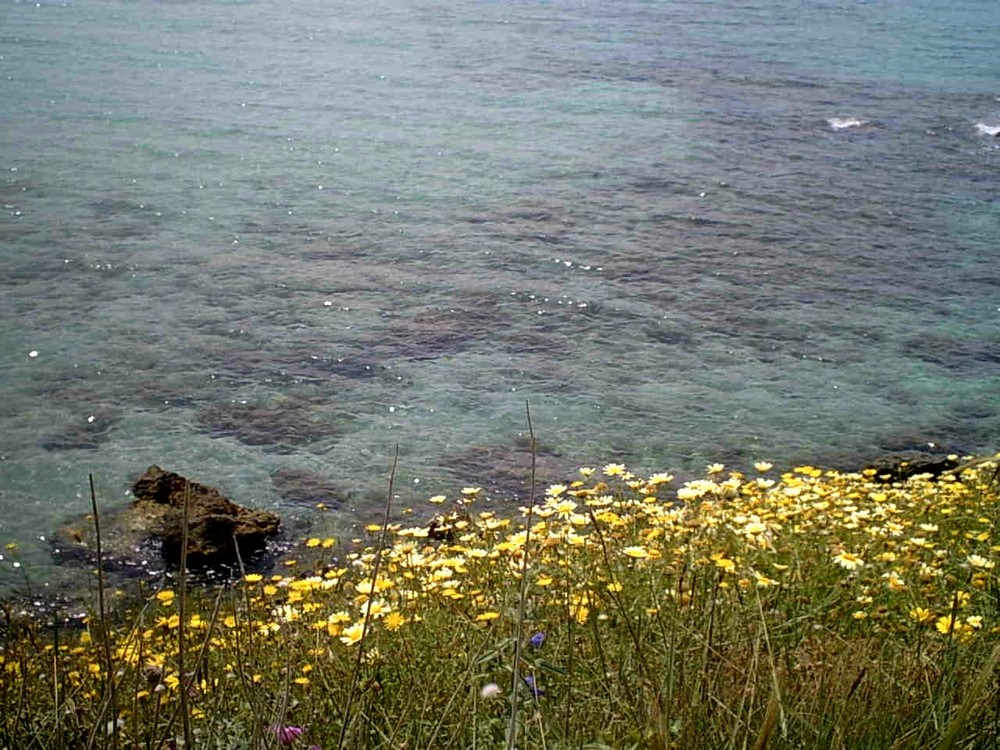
{"x":806,"y":609}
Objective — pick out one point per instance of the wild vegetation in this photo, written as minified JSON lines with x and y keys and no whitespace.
{"x":809,"y":609}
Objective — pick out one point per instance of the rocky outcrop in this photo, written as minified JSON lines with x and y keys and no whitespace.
{"x":895,"y":467}
{"x":218,"y":528}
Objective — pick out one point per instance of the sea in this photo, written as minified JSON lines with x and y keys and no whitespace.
{"x":278,"y":246}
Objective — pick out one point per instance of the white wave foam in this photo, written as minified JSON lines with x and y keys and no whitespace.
{"x":985,"y":129}
{"x":843,"y":123}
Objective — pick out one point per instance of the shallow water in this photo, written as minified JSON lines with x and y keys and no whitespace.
{"x":250,"y":241}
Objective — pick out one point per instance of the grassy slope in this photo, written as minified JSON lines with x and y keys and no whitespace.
{"x":812,"y":609}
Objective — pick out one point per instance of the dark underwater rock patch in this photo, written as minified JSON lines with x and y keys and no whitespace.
{"x":107,"y":207}
{"x":126,"y":225}
{"x":282,"y":227}
{"x":304,"y":364}
{"x":953,"y":353}
{"x":669,"y":335}
{"x":345,"y":367}
{"x":86,"y":433}
{"x":79,"y":396}
{"x":535,"y":342}
{"x":660,"y":186}
{"x":437,"y":331}
{"x":154,"y":393}
{"x":307,"y":488}
{"x":550,"y":224}
{"x":902,"y":441}
{"x":504,"y":471}
{"x":284,"y":425}
{"x":970,"y":426}
{"x":428,"y":337}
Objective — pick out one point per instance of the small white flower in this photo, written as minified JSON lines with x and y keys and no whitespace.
{"x":982,"y":563}
{"x":489,"y":690}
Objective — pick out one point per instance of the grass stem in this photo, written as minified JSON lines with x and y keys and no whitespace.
{"x":522,"y":597}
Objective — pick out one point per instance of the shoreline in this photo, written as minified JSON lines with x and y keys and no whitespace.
{"x":141,"y":577}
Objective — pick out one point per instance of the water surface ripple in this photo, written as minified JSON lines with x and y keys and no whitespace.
{"x":262,"y":243}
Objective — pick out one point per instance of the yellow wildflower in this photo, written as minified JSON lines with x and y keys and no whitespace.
{"x":394,"y":621}
{"x":724,"y":563}
{"x":848,"y":560}
{"x":945,"y":624}
{"x":763,"y":581}
{"x":352,"y":634}
{"x":578,"y":609}
{"x":894,"y":581}
{"x":982,"y":563}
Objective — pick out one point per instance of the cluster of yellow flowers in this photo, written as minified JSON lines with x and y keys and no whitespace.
{"x":914,"y":554}
{"x":914,"y":558}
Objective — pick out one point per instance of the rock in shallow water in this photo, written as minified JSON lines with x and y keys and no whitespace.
{"x":905,"y":464}
{"x":219,"y":530}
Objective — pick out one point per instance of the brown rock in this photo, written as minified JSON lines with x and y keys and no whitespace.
{"x":896,"y":467}
{"x":217,"y":527}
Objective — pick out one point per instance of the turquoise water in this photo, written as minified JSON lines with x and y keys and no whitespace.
{"x":262,"y":243}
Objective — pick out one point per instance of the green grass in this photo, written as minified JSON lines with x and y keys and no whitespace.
{"x":809,"y":610}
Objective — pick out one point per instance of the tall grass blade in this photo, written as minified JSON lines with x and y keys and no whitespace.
{"x":376,"y":567}
{"x":770,"y":722}
{"x":522,"y":600}
{"x":185,"y":683}
{"x":105,"y":627}
{"x":974,"y":693}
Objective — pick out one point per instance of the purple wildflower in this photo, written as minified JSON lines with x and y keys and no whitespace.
{"x":529,"y":680}
{"x":286,"y":735}
{"x":537,"y":639}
